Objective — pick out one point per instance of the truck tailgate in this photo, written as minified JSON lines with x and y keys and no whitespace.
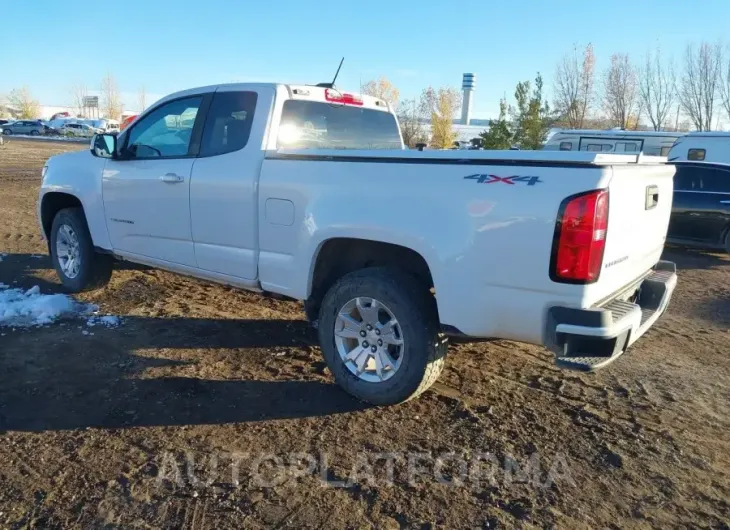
{"x":640,"y":203}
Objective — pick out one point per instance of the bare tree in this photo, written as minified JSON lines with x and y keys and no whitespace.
{"x":573,"y":86}
{"x":411,"y":117}
{"x":620,"y":92}
{"x":441,"y":105}
{"x":142,"y":99}
{"x":382,"y":88}
{"x":111,"y":104}
{"x":23,"y":103}
{"x":79,"y":93}
{"x":725,"y":83}
{"x":657,"y":83}
{"x":698,"y":87}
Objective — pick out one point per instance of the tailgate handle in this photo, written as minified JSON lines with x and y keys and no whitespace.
{"x":652,"y":197}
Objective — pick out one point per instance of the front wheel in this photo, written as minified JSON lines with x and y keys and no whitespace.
{"x":380,"y":335}
{"x":77,"y":265}
{"x":7,"y":132}
{"x":35,"y":133}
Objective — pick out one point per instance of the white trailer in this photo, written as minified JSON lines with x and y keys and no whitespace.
{"x":653,"y":143}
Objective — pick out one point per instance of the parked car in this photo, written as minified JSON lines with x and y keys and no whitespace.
{"x":50,"y":131}
{"x":308,"y":192}
{"x":701,"y":207}
{"x":79,"y":129}
{"x":112,"y":127}
{"x":31,"y":127}
{"x":5,"y":122}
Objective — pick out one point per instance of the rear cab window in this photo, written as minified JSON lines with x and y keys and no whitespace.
{"x":319,"y":125}
{"x":228,"y":123}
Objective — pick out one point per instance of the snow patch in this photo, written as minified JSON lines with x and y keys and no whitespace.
{"x":110,"y":321}
{"x":2,"y":255}
{"x":31,"y":308}
{"x":25,"y":308}
{"x":76,"y":139}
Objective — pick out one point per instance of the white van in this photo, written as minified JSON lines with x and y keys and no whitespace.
{"x":702,"y":147}
{"x":105,"y":124}
{"x":653,"y":143}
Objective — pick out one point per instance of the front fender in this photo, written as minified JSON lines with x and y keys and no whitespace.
{"x":78,"y":174}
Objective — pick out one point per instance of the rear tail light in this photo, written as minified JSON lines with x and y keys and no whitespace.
{"x":333,"y":96}
{"x":580,"y":238}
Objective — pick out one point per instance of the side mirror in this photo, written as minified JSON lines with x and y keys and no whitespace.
{"x":104,"y":145}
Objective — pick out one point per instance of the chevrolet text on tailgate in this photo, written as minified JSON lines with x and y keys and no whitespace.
{"x":308,"y":192}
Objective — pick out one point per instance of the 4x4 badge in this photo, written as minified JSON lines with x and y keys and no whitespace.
{"x":491,"y":179}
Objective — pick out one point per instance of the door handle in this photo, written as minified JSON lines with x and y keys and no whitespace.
{"x":172,"y":178}
{"x":652,"y":197}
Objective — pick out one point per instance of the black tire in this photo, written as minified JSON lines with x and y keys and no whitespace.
{"x":7,"y":132}
{"x":414,"y":307}
{"x":95,"y":269}
{"x":34,"y":133}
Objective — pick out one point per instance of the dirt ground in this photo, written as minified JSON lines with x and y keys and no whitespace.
{"x":123,"y":428}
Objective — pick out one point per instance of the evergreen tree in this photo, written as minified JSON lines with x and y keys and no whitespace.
{"x":531,"y":116}
{"x":499,"y":135}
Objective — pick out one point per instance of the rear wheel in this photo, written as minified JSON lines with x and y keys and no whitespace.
{"x":34,"y":133}
{"x":77,"y":265}
{"x":380,"y":336}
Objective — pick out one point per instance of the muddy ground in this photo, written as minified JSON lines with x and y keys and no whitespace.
{"x":121,"y":428}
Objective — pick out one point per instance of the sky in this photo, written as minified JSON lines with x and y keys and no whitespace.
{"x":165,"y":45}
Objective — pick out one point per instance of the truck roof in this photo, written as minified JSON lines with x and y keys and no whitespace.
{"x":334,"y":96}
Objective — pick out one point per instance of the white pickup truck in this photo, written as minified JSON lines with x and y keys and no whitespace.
{"x":307,"y":192}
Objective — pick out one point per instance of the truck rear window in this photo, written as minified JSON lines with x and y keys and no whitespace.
{"x":318,"y":125}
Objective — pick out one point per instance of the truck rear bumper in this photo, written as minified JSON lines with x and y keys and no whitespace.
{"x":589,"y":339}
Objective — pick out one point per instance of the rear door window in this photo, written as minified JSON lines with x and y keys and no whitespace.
{"x":318,"y":125}
{"x":228,"y":124}
{"x":714,"y":180}
{"x":702,"y":179}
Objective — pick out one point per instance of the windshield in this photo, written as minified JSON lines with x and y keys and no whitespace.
{"x":317,"y":125}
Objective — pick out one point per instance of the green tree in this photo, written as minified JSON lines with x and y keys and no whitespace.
{"x":531,"y":115}
{"x":499,"y":135}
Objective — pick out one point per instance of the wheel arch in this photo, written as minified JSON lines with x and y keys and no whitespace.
{"x":338,"y":256}
{"x":52,"y":203}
